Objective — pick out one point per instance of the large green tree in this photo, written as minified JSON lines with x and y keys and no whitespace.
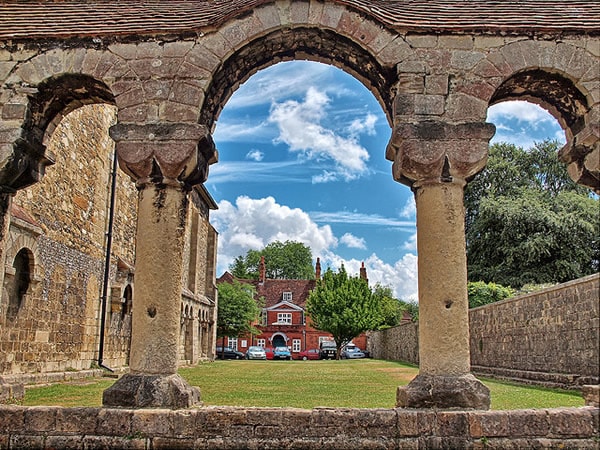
{"x":343,"y":306}
{"x":527,"y":221}
{"x":287,"y":260}
{"x":237,"y":309}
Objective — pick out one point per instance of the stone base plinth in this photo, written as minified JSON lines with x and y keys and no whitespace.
{"x":151,"y":391}
{"x":444,"y":392}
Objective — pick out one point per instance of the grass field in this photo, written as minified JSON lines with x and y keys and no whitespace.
{"x":363,"y":383}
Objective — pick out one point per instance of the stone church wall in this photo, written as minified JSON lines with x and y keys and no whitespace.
{"x":548,"y":337}
{"x":62,"y":222}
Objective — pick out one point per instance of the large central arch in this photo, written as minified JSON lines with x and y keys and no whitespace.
{"x":314,"y":44}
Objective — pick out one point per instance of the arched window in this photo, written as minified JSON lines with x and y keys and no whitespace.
{"x":21,"y":282}
{"x":127,"y":300}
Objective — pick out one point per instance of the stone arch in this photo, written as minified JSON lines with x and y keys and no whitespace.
{"x":324,"y":32}
{"x":560,"y":78}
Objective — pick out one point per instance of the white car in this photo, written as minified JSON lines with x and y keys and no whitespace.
{"x":256,"y":353}
{"x":352,"y":352}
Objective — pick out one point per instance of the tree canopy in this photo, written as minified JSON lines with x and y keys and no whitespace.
{"x":287,"y":260}
{"x":527,"y":221}
{"x":237,"y":309}
{"x":343,"y":306}
{"x":391,"y":308}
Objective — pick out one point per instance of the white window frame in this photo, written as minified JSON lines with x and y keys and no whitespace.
{"x":284,"y":318}
{"x":287,"y":296}
{"x":261,"y":342}
{"x":232,"y":343}
{"x":296,"y":344}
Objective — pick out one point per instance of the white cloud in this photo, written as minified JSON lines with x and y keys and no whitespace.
{"x":251,"y":224}
{"x":279,"y":81}
{"x":411,"y":243}
{"x":522,"y":123}
{"x":255,"y":155}
{"x":362,"y":219}
{"x":351,"y":241}
{"x":299,"y":128}
{"x":366,"y":125}
{"x":401,"y":277}
{"x":410,"y":208}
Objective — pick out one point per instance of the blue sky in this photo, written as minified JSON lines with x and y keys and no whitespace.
{"x":302,"y":157}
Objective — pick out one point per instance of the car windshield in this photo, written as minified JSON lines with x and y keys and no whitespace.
{"x":255,"y":349}
{"x":281,"y":349}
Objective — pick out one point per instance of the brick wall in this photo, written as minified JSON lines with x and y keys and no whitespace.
{"x":550,"y":336}
{"x":274,"y":428}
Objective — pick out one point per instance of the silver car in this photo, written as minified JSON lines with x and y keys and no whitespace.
{"x":352,"y":352}
{"x":256,"y":353}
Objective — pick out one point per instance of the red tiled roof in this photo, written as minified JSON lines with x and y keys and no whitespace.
{"x":272,"y":290}
{"x":80,"y":18}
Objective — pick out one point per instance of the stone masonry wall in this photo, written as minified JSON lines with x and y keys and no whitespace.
{"x":65,"y":221}
{"x":550,"y":336}
{"x":552,"y":331}
{"x":276,"y":428}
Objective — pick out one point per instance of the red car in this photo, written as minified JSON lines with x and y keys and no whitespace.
{"x":269,"y":352}
{"x":312,"y":353}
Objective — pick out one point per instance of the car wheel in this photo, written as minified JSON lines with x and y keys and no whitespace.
{"x":304,"y":358}
{"x":237,"y":356}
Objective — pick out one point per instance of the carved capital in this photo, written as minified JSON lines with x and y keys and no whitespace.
{"x":435,"y":151}
{"x":582,"y":156}
{"x":169,"y":153}
{"x":24,"y":164}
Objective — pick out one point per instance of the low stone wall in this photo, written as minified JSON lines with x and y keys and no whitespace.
{"x":278,"y":428}
{"x":548,"y":337}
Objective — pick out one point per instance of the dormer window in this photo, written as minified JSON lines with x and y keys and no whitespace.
{"x":287,"y":296}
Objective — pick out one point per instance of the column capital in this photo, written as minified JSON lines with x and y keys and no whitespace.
{"x":435,"y":151}
{"x":168,"y":153}
{"x":582,"y":156}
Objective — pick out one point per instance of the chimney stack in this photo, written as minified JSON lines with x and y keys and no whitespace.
{"x":363,"y":273}
{"x":318,"y":269}
{"x":262,"y":270}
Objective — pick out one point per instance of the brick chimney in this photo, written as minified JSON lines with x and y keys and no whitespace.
{"x":363,"y":273}
{"x":262,"y":270}
{"x":318,"y":269}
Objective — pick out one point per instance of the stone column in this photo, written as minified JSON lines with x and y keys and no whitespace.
{"x":436,"y":159}
{"x":166,"y":160}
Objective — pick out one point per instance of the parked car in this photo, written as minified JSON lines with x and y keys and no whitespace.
{"x":312,"y":353}
{"x":269,"y":352}
{"x":328,"y":350}
{"x":352,"y":352}
{"x":256,"y":353}
{"x":228,"y":353}
{"x":281,"y":353}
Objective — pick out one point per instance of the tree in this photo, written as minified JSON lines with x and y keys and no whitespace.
{"x":343,"y":306}
{"x":481,"y":293}
{"x":392,"y":309}
{"x":287,"y":260}
{"x":527,"y":221}
{"x":237,"y":310}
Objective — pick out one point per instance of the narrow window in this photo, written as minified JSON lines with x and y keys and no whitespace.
{"x":21,"y":282}
{"x":287,"y":296}
{"x":296,"y":345}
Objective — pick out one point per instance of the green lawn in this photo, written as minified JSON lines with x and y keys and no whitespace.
{"x":364,"y":383}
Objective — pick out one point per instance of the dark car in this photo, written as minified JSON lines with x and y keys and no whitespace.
{"x":328,"y":350}
{"x":312,"y":353}
{"x":228,"y":353}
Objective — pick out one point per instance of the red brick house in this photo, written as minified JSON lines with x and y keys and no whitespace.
{"x":284,"y":321}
